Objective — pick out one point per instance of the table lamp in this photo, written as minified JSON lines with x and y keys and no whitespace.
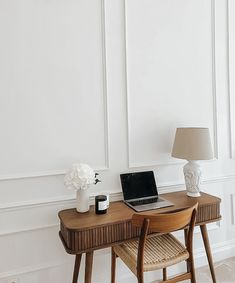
{"x":192,"y":144}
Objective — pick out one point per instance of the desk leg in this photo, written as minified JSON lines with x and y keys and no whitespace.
{"x":76,"y":267}
{"x":208,"y":250}
{"x":88,"y":267}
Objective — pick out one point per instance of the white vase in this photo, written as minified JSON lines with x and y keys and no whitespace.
{"x":82,"y":204}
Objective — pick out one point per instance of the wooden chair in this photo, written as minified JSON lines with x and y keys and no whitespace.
{"x":158,"y":251}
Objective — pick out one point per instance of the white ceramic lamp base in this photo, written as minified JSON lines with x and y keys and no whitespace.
{"x":192,"y":175}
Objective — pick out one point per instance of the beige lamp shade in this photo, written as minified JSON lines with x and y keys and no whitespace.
{"x":192,"y":144}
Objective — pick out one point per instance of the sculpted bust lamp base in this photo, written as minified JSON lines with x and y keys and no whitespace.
{"x":192,"y":144}
{"x":192,"y":175}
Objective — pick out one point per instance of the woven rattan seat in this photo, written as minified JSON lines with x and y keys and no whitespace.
{"x":160,"y":251}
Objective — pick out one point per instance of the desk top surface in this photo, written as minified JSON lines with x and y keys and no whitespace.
{"x":119,"y":212}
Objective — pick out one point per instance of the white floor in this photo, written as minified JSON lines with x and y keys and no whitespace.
{"x":225,"y":272}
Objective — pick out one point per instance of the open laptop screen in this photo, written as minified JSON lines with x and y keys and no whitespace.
{"x":138,"y":185}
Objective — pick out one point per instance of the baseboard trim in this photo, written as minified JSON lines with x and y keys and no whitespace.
{"x":30,"y":269}
{"x":220,"y":251}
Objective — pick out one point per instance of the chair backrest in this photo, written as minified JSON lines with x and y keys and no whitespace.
{"x":166,"y":222}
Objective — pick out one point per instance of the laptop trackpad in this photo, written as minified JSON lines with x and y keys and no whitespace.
{"x":159,"y":204}
{"x":145,"y":201}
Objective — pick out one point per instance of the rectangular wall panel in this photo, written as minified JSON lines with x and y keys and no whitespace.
{"x":52,"y":92}
{"x":169,"y":74}
{"x":231,"y":29}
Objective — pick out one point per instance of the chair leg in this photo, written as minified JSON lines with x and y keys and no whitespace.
{"x":193,"y":279}
{"x":140,"y":277}
{"x":113,"y":266}
{"x":192,"y":270}
{"x":164,"y":274}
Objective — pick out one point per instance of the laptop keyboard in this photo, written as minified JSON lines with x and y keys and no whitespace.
{"x":144,"y":201}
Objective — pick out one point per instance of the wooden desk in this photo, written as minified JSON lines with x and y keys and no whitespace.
{"x":86,"y":232}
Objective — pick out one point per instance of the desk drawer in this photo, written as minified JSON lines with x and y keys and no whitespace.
{"x":78,"y":241}
{"x":99,"y":237}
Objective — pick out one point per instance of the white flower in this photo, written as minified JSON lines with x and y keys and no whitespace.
{"x":80,"y":176}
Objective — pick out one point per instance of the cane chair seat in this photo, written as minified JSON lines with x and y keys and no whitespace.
{"x":160,"y":251}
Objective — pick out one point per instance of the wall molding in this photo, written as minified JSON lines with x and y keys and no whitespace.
{"x":65,"y":202}
{"x":134,"y":165}
{"x":43,"y":174}
{"x":229,"y":82}
{"x":233,"y":207}
{"x":165,"y":187}
{"x":69,"y":200}
{"x":29,"y":229}
{"x":105,"y":118}
{"x":60,"y":200}
{"x":31,"y":269}
{"x":105,"y":93}
{"x":220,"y":251}
{"x":216,"y":179}
{"x":214,"y":83}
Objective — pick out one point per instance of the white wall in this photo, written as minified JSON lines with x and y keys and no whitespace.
{"x":107,"y":83}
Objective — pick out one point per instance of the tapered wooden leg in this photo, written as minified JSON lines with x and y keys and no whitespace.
{"x":186,"y":244}
{"x":76,"y":268}
{"x":113,"y":266}
{"x":140,"y":278}
{"x":186,"y":237}
{"x":189,"y":261}
{"x":164,"y":274}
{"x":88,"y":267}
{"x":208,"y":250}
{"x":191,"y":268}
{"x":193,"y":276}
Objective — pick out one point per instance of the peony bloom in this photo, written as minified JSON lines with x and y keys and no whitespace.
{"x":80,"y":176}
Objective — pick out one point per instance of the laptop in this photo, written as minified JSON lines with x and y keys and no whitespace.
{"x":140,"y":191}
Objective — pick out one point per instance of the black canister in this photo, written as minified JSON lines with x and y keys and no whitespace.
{"x":101,"y":204}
